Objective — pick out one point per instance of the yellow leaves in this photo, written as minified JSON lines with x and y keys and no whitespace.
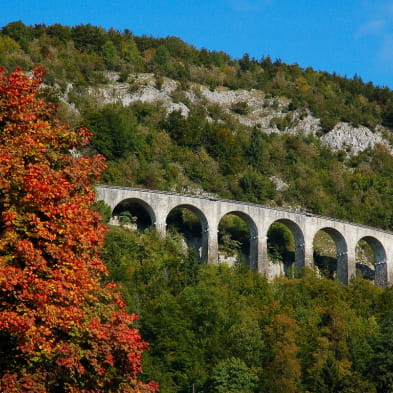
{"x":284,"y":370}
{"x":8,"y":45}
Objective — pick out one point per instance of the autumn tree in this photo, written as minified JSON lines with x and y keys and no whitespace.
{"x":61,"y":329}
{"x":284,"y":370}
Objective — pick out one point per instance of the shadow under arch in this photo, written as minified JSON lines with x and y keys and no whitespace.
{"x":204,"y":228}
{"x":252,"y":258}
{"x":341,"y":252}
{"x":135,"y":213}
{"x":380,"y":274}
{"x":298,"y":236}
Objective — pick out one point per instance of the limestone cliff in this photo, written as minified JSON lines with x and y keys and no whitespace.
{"x":248,"y":107}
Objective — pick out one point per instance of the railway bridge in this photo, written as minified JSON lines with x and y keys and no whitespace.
{"x":303,"y":226}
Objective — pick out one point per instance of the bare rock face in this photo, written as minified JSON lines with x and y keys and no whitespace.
{"x":142,"y":88}
{"x":279,"y":184}
{"x":249,"y":107}
{"x":307,"y":125}
{"x":353,"y":140}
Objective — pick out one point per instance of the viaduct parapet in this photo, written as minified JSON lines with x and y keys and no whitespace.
{"x":259,"y":218}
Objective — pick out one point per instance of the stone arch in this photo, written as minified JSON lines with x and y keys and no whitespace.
{"x":298,"y":237}
{"x":253,"y":240}
{"x":203,"y":254}
{"x":142,"y":214}
{"x":341,"y":252}
{"x":380,"y":265}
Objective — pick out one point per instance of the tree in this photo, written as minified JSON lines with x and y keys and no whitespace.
{"x":383,"y":359}
{"x":88,"y":38}
{"x":232,"y":375}
{"x":110,"y":53}
{"x":114,"y":128}
{"x":162,"y":57}
{"x":284,"y":370}
{"x":7,"y":46}
{"x":61,"y":329}
{"x":19,"y":32}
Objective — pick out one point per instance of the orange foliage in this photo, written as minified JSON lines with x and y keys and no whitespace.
{"x":284,"y":370}
{"x":60,"y":329}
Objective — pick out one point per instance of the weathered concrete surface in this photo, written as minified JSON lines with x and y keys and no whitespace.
{"x":304,"y":227}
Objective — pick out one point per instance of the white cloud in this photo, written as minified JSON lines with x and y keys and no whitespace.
{"x":380,"y":19}
{"x":379,"y":27}
{"x":386,"y":52}
{"x":377,"y":34}
{"x":372,"y":27}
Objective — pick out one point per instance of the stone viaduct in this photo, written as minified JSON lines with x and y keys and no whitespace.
{"x":304,"y":227}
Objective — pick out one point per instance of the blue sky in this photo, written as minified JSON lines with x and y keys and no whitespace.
{"x":346,"y":36}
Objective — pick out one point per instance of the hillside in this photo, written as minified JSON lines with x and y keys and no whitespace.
{"x":169,"y":116}
{"x":252,"y":108}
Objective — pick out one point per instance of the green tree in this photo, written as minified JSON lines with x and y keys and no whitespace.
{"x":110,"y":53}
{"x":382,"y":363}
{"x":19,"y":32}
{"x":256,"y":149}
{"x":129,"y":52}
{"x":115,"y":130}
{"x":233,"y":376}
{"x":88,"y":37}
{"x":162,"y":58}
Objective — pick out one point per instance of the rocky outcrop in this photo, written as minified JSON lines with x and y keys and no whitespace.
{"x":352,"y":140}
{"x":279,"y":184}
{"x":249,"y":107}
{"x":142,"y":88}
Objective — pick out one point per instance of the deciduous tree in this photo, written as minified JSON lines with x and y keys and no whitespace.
{"x":61,"y":330}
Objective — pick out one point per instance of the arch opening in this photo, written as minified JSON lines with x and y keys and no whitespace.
{"x":237,"y":240}
{"x":285,"y":246}
{"x":191,"y":224}
{"x":331,"y":254}
{"x":134,"y":214}
{"x":371,"y":261}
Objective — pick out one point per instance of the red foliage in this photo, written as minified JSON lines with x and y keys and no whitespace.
{"x":60,"y":329}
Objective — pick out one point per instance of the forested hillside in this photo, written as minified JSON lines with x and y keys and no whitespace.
{"x":220,"y":329}
{"x":208,"y":149}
